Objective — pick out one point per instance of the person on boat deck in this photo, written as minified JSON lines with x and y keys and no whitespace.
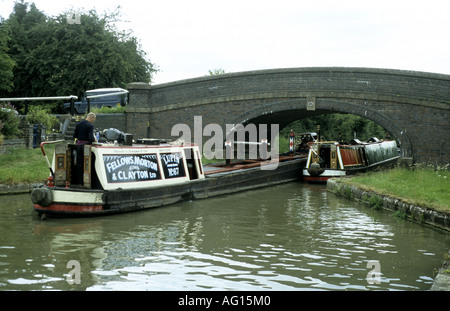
{"x":84,"y":130}
{"x":84,"y":135}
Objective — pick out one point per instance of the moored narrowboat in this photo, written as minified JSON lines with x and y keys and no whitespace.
{"x":327,"y":159}
{"x":107,"y":178}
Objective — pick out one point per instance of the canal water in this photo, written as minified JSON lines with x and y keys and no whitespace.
{"x":294,"y":236}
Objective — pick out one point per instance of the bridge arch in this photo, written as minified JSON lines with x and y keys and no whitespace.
{"x":285,"y":112}
{"x":413,"y":106}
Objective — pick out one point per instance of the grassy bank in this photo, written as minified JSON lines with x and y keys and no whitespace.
{"x":24,"y":165}
{"x":422,"y":186}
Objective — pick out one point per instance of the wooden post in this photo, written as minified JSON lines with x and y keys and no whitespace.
{"x":318,"y":133}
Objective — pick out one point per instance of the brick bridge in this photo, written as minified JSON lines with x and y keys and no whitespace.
{"x":412,"y":106}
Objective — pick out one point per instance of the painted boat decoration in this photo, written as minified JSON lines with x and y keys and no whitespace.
{"x":332,"y":159}
{"x":101,"y":179}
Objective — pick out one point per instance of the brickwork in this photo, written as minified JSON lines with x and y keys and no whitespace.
{"x":23,"y":140}
{"x":412,"y":106}
{"x":9,"y":144}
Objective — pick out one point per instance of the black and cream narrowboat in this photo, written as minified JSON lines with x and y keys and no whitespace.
{"x":327,"y":159}
{"x":101,"y":179}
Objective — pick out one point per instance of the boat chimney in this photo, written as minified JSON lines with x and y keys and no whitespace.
{"x":318,"y":132}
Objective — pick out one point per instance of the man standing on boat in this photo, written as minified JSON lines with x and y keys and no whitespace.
{"x":84,"y":130}
{"x":84,"y":135}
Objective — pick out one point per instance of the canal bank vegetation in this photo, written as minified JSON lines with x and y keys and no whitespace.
{"x":420,"y":185}
{"x":24,"y":165}
{"x":336,"y":126}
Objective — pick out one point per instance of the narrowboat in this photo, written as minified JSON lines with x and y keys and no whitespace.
{"x":327,"y":159}
{"x":107,"y":178}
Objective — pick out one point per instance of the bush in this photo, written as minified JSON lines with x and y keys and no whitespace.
{"x":40,"y":115}
{"x":9,"y":122}
{"x":105,"y":109}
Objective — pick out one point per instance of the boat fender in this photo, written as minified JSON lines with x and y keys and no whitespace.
{"x":42,"y":196}
{"x":315,"y":170}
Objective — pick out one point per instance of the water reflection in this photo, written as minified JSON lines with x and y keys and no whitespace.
{"x":288,"y":237}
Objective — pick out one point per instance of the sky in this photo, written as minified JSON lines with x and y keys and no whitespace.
{"x":187,"y":38}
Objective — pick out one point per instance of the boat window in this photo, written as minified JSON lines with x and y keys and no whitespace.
{"x":95,"y":181}
{"x":199,"y":161}
{"x":191,"y":163}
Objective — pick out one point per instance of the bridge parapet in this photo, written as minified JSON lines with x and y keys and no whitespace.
{"x":394,"y":85}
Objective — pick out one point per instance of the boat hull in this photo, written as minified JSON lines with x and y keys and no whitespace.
{"x":330,"y":173}
{"x":324,"y":176}
{"x":69,"y":202}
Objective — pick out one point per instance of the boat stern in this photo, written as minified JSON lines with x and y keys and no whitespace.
{"x":324,"y":162}
{"x":66,"y":202}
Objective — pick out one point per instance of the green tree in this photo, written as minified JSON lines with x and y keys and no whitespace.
{"x":21,"y":24}
{"x":56,"y":57}
{"x":9,"y":122}
{"x":6,"y":62}
{"x":337,"y":126}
